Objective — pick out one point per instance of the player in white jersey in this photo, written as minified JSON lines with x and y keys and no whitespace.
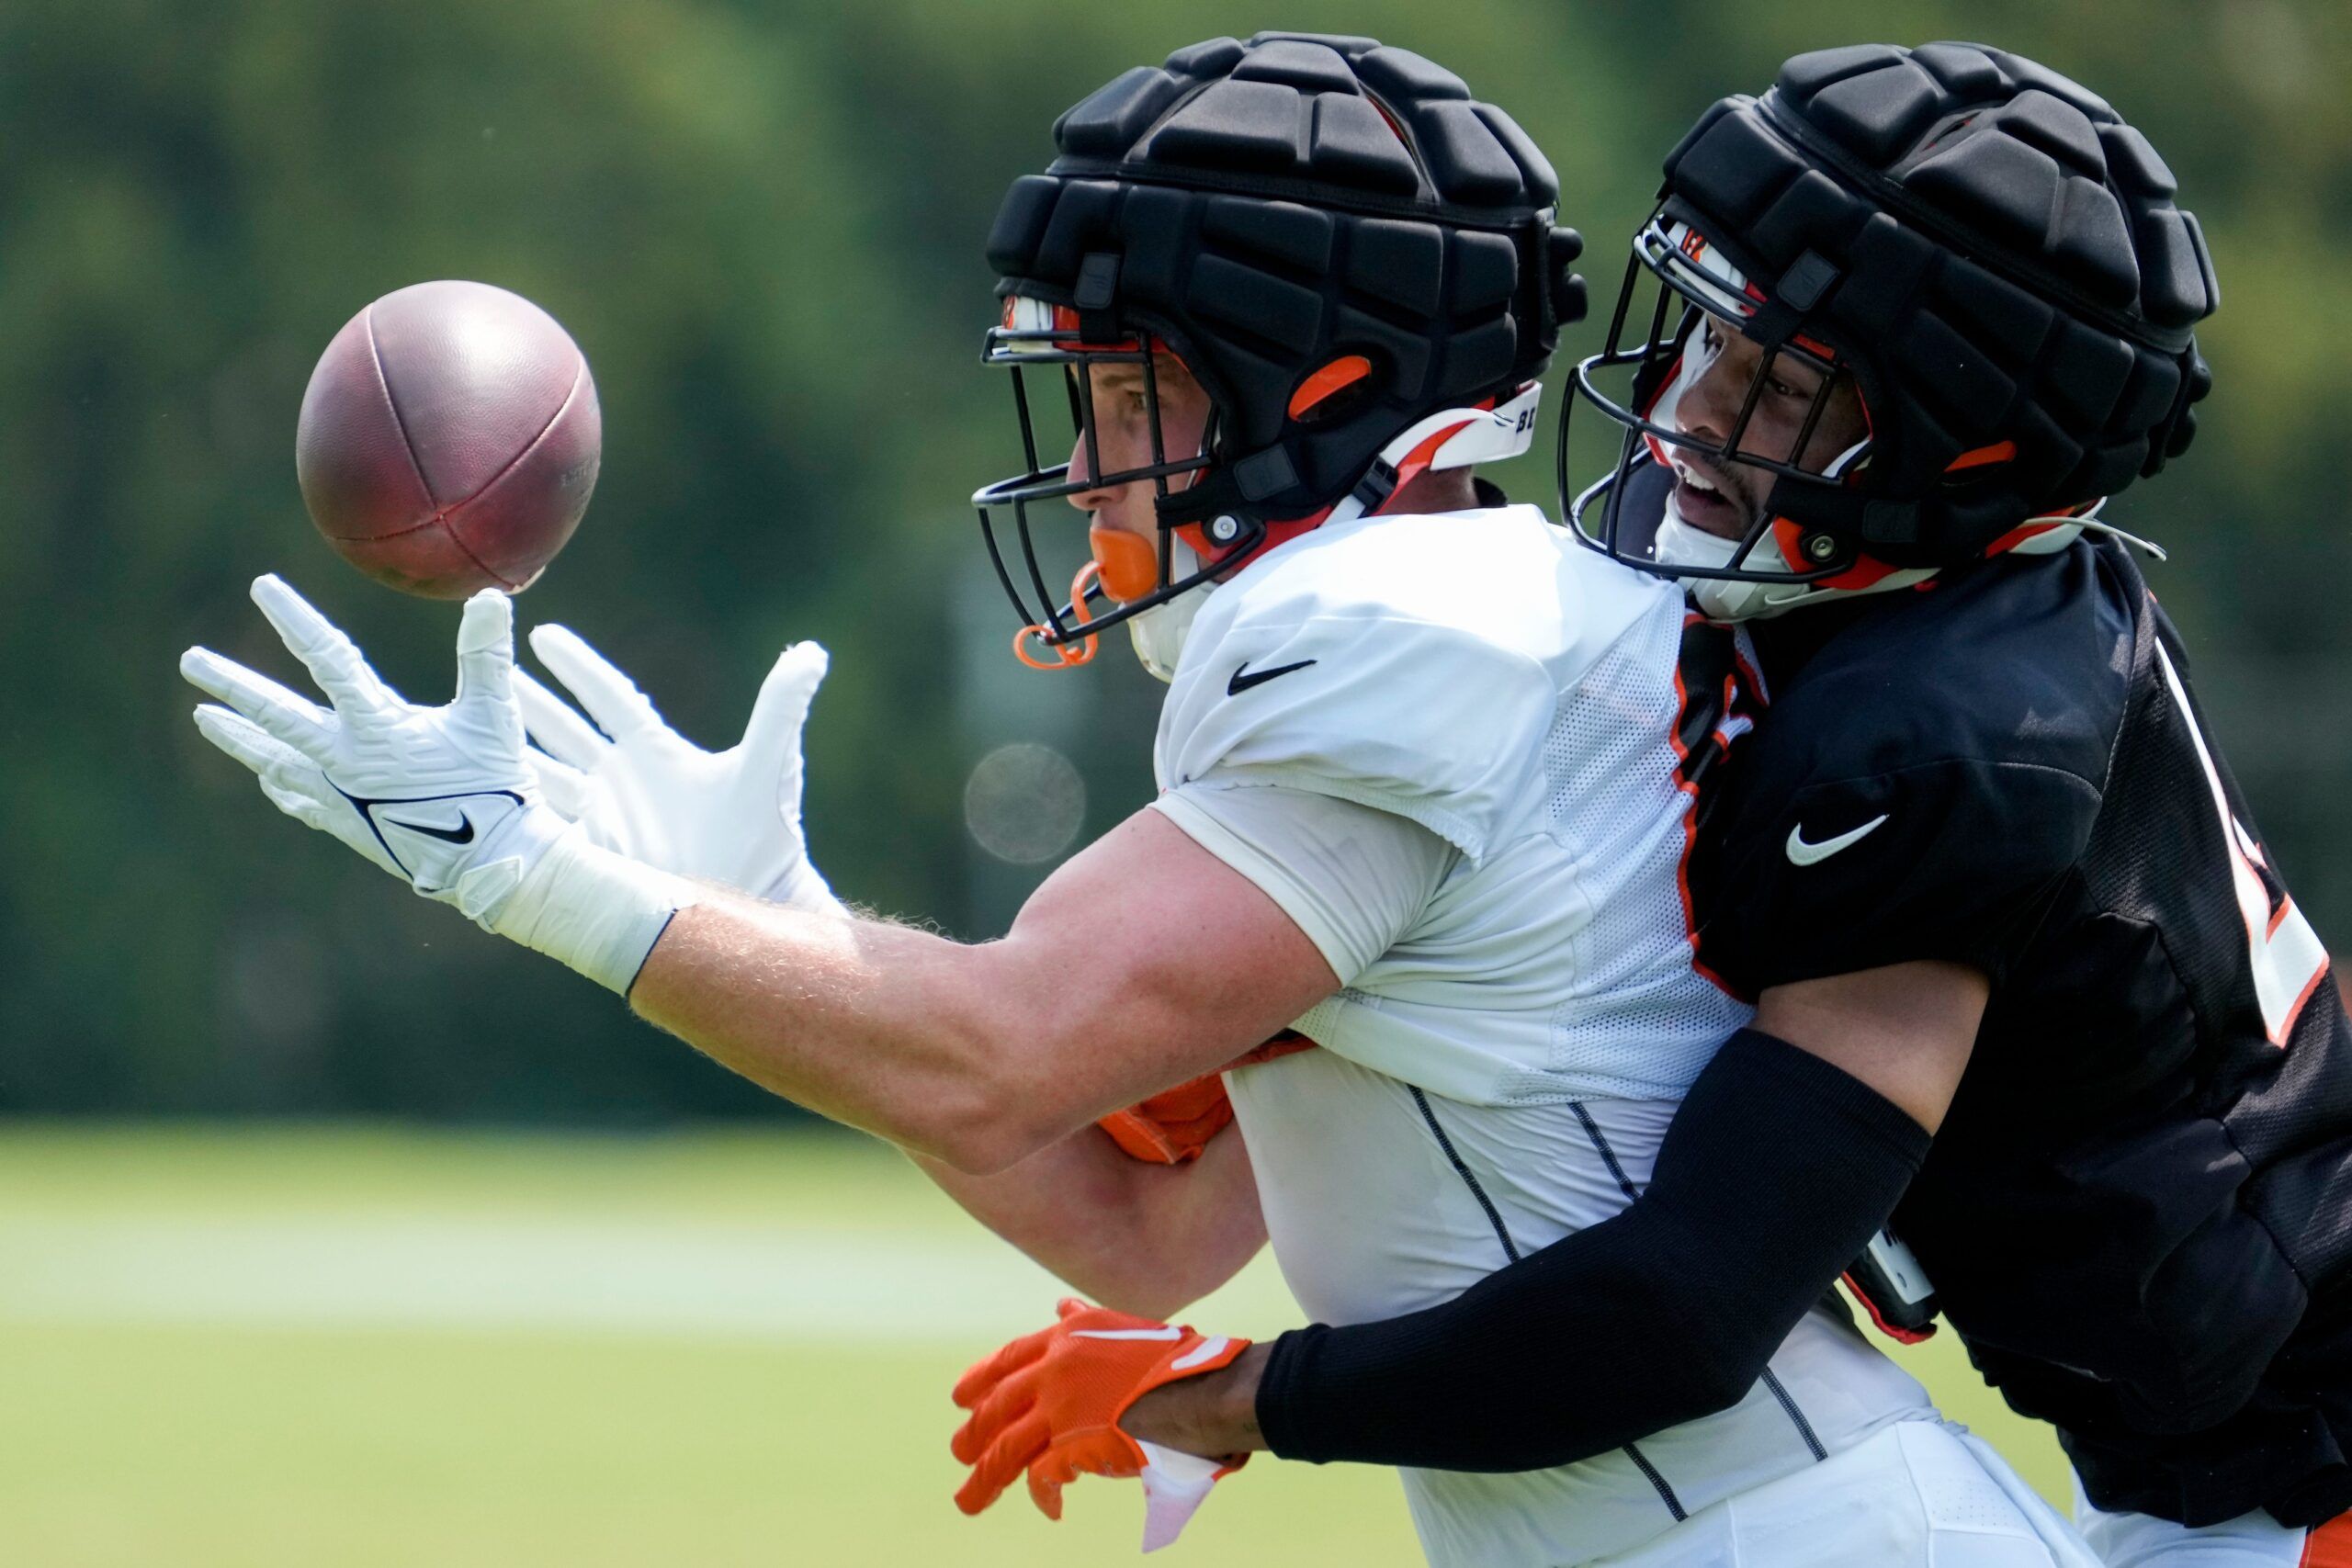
{"x":1424,"y":808}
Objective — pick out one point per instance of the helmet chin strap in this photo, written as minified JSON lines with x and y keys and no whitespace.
{"x":1451,"y":438}
{"x":1158,"y":634}
{"x":1724,"y":600}
{"x":1681,"y":543}
{"x":2055,"y":531}
{"x":1718,"y":600}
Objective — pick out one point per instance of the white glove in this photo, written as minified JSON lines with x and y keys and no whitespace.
{"x":730,"y":816}
{"x":440,"y":797}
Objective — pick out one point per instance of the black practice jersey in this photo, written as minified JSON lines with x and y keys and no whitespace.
{"x":2138,"y":1212}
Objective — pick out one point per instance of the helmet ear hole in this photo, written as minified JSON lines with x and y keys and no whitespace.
{"x":1334,"y":391}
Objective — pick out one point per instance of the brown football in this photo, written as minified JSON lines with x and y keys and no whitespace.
{"x":449,"y":440}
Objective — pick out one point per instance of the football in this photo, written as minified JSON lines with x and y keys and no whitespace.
{"x":449,"y":439}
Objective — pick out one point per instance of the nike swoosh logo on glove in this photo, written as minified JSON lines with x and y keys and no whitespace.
{"x":464,"y":835}
{"x":461,"y":834}
{"x":1804,"y":853}
{"x":1208,"y":1349}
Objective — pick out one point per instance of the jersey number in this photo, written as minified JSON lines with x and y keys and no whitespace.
{"x":2284,"y":951}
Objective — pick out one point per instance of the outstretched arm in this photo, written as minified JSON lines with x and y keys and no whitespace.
{"x":1144,"y":1237}
{"x":1145,"y":961}
{"x":982,"y":1054}
{"x":1789,"y":1153}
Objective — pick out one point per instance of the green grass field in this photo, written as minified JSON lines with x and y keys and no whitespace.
{"x":264,"y":1347}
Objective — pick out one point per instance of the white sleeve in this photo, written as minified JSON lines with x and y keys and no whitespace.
{"x":1355,"y":879}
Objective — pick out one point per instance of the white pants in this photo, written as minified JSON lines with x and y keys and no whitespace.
{"x":2142,"y":1540}
{"x":1919,"y":1494}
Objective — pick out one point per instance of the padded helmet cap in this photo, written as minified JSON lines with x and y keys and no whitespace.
{"x":1995,"y":254}
{"x":1269,"y":209}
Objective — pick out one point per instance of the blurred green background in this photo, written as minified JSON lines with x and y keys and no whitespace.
{"x":763,"y":222}
{"x":284,"y":1348}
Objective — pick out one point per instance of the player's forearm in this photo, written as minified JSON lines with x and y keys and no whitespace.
{"x":1213,"y":1414}
{"x":1775,"y":1173}
{"x":920,"y":1039}
{"x":980,"y":1056}
{"x":1145,"y":1238}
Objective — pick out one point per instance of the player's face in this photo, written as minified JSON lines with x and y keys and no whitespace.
{"x":1723,"y":498}
{"x":1123,"y":440}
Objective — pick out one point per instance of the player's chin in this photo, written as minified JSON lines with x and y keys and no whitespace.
{"x":1737,"y":516}
{"x":1712,"y":511}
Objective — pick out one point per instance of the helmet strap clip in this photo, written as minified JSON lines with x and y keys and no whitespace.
{"x":1097,"y":291}
{"x":1373,"y":491}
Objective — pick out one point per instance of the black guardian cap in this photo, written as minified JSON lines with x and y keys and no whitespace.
{"x":1985,"y":248}
{"x":1334,"y":238}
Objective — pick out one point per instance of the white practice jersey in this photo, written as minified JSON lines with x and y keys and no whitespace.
{"x":1484,"y":676}
{"x":1445,"y":746}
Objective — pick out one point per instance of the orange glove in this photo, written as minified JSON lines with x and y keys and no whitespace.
{"x":1174,"y":1125}
{"x":1050,"y":1402}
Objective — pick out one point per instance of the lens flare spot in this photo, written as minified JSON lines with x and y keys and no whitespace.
{"x":1024,"y":802}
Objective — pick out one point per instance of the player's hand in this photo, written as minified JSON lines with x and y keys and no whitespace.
{"x":1051,"y":1403}
{"x":730,"y":816}
{"x":1174,"y":1127}
{"x":439,"y":796}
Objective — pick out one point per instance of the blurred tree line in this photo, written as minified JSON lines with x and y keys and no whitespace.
{"x":763,"y":221}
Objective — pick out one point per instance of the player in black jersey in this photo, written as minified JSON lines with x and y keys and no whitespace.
{"x":1916,"y":313}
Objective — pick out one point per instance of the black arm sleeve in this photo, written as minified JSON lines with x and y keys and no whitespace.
{"x":1776,"y":1172}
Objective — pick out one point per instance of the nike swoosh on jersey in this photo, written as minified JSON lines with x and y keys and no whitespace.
{"x":1243,"y":677}
{"x":1803,"y":853}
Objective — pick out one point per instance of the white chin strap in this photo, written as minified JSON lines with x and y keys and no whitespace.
{"x":1159,"y":633}
{"x":1478,"y":436}
{"x":1720,"y":599}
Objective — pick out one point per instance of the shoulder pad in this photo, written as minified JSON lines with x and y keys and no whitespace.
{"x":1915,"y":787}
{"x":1435,"y":724}
{"x":1412,"y":664}
{"x":2023,"y":661}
